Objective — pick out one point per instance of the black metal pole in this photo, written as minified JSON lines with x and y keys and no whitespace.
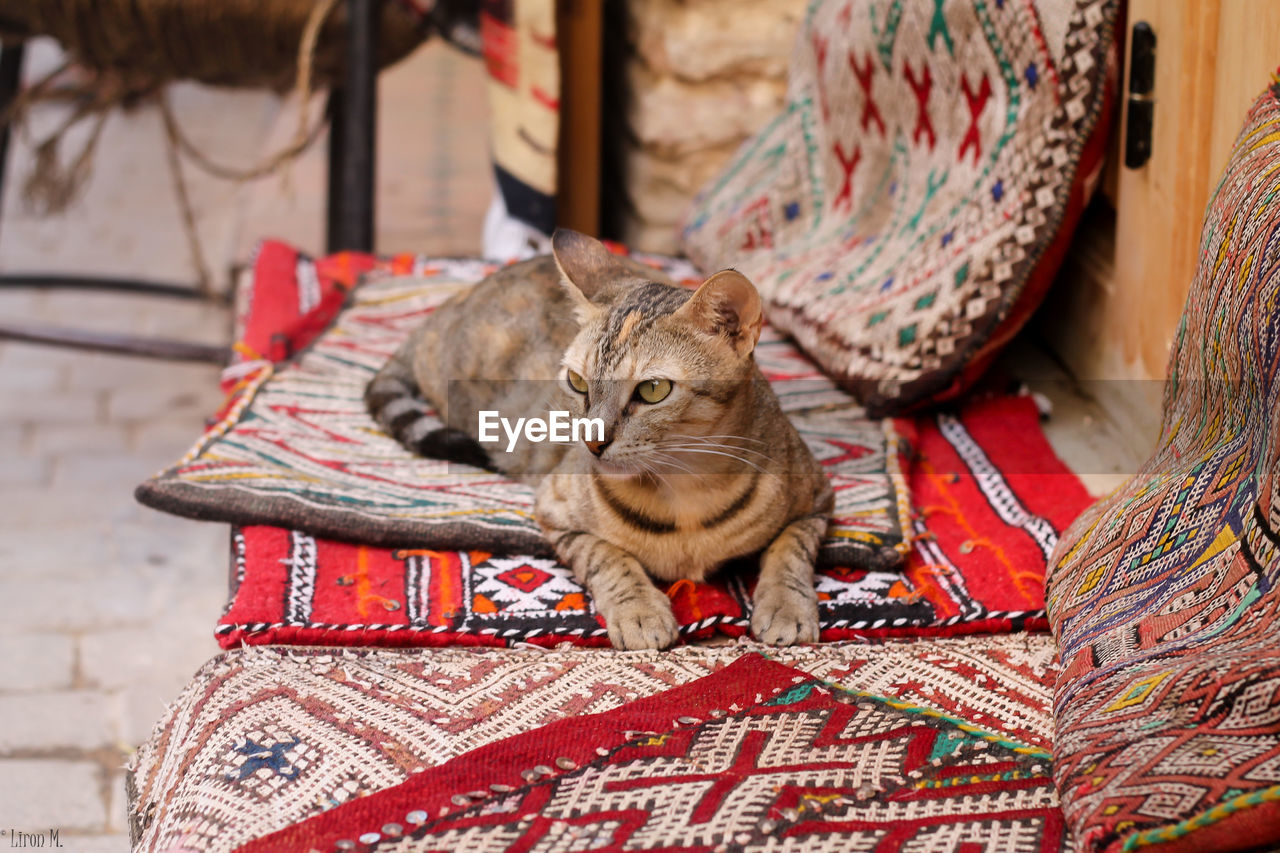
{"x":359,"y":105}
{"x":10,"y":80}
{"x":334,"y":205}
{"x":166,"y":348}
{"x":119,"y":285}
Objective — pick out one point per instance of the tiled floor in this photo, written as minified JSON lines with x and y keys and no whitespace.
{"x":108,"y":607}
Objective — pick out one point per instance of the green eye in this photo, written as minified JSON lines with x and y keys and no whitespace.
{"x":654,"y":390}
{"x":577,"y":382}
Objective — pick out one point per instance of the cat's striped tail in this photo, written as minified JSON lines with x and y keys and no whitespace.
{"x":393,"y":400}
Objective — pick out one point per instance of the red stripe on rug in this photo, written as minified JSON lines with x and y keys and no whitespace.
{"x":271,"y":306}
{"x":265,"y":585}
{"x":361,"y":581}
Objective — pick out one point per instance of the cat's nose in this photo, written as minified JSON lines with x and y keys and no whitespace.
{"x":597,"y":447}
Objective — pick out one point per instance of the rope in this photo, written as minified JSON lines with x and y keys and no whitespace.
{"x":187,"y":38}
{"x":303,"y":137}
{"x":205,"y":277}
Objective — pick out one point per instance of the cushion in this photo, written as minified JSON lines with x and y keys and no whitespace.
{"x":297,"y":447}
{"x":906,"y":211}
{"x":265,"y":738}
{"x":1164,"y":595}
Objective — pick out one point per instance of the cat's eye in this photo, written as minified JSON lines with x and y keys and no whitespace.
{"x":577,"y":382}
{"x":653,"y":390}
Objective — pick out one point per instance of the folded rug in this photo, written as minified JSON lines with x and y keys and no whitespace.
{"x":297,"y":447}
{"x":263,"y":739}
{"x":991,"y":496}
{"x":906,"y":212}
{"x":1164,"y":596}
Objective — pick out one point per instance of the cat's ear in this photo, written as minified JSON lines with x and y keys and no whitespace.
{"x":586,"y":265}
{"x":727,"y":305}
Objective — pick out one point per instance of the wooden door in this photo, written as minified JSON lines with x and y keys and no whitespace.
{"x":1118,"y":302}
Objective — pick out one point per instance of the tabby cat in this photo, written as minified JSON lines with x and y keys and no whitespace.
{"x":697,"y":464}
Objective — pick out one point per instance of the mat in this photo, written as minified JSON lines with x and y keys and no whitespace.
{"x":758,"y":755}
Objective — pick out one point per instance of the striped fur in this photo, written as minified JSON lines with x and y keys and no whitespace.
{"x":392,"y":398}
{"x":711,"y":473}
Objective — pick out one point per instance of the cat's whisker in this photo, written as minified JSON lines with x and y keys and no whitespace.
{"x":716,"y":444}
{"x":718,"y":435}
{"x":667,"y":460}
{"x":722,"y":446}
{"x":720,"y":453}
{"x":653,"y":468}
{"x":655,"y":472}
{"x":709,"y":439}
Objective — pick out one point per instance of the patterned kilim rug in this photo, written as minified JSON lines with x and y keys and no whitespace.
{"x":264,"y":739}
{"x":1165,"y":595}
{"x":297,"y":447}
{"x":992,"y":498}
{"x":907,"y":210}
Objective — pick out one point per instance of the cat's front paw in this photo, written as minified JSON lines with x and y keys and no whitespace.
{"x":647,"y":624}
{"x":782,"y":616}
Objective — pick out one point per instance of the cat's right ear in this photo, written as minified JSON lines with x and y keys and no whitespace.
{"x":727,"y":306}
{"x":586,"y":265}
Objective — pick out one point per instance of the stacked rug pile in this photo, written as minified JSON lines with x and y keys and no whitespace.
{"x":941,"y":525}
{"x":942,"y":530}
{"x":409,"y":667}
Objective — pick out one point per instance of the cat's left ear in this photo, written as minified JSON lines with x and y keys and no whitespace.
{"x":586,"y":265}
{"x":727,"y":305}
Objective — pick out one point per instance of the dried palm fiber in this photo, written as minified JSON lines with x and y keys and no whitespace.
{"x":133,"y":47}
{"x":220,"y":42}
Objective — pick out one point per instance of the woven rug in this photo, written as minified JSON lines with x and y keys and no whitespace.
{"x":262,"y":739}
{"x":991,"y":496}
{"x":907,"y":210}
{"x":759,"y":755}
{"x":297,"y":448}
{"x":1164,"y":596}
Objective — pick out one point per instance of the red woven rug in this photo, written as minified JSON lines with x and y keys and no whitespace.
{"x":991,"y":500}
{"x":757,"y":755}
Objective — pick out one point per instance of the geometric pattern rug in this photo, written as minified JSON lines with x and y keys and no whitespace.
{"x":297,"y":448}
{"x":907,"y":209}
{"x":991,"y":497}
{"x":264,"y":739}
{"x":1165,"y":596}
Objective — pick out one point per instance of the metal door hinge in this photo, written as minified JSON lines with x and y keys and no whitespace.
{"x":1142,"y":102}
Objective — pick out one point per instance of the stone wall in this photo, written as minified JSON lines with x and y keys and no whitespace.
{"x":701,"y":76}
